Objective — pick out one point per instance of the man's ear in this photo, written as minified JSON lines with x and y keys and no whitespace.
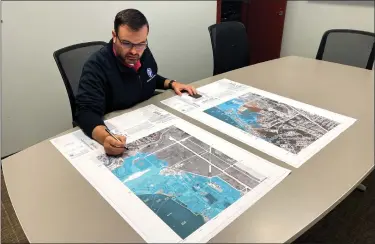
{"x":114,"y":36}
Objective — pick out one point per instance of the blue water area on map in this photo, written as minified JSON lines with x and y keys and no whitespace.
{"x":184,"y":201}
{"x":229,"y":112}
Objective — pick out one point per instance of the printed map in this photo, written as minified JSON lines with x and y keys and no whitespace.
{"x":275,"y":122}
{"x":181,"y":179}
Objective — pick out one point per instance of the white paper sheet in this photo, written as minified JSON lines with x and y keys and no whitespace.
{"x":286,"y":129}
{"x":177,"y":182}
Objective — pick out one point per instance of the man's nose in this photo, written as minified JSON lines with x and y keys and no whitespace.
{"x":133,"y":51}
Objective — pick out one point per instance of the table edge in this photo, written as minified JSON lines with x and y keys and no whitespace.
{"x":329,"y":209}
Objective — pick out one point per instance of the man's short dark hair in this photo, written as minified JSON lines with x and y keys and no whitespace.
{"x":132,"y":18}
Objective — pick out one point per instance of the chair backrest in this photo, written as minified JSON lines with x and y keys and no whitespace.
{"x":229,"y":46}
{"x":350,"y":47}
{"x":70,"y":61}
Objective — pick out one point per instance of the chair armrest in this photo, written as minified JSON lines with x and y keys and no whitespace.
{"x":157,"y":92}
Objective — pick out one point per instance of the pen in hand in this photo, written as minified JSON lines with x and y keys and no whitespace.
{"x":114,"y":137}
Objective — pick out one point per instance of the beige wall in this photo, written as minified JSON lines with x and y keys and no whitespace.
{"x":306,"y":21}
{"x":1,"y":65}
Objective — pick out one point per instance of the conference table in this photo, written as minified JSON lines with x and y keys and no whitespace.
{"x":54,"y":203}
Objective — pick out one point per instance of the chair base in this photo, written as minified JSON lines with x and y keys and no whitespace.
{"x":361,"y":187}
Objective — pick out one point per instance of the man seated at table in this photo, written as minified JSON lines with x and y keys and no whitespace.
{"x":120,"y":75}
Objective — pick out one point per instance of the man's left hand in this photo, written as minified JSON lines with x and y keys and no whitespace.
{"x":180,"y":87}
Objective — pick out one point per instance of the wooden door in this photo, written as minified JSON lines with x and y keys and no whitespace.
{"x":265,"y":24}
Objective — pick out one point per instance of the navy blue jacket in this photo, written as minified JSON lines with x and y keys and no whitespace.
{"x":107,"y":85}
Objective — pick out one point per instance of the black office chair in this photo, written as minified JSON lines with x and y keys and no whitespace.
{"x":350,"y":47}
{"x":70,"y":61}
{"x":229,"y":46}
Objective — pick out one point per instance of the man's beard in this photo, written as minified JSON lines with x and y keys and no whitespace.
{"x":131,"y":59}
{"x":128,"y":58}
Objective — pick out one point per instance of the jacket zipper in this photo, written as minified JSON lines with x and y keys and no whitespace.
{"x":140,"y":82}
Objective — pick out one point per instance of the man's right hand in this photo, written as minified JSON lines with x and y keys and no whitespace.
{"x":114,"y":147}
{"x":111,"y":145}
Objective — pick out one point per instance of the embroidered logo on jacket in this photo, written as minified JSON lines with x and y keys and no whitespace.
{"x":149,"y":72}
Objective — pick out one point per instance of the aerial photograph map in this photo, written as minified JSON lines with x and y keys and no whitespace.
{"x":184,"y":181}
{"x":282,"y":125}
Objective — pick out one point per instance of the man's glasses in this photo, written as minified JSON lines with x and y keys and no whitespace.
{"x":129,"y":45}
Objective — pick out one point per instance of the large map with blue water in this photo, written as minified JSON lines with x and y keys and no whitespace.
{"x":277,"y":123}
{"x":184,"y":181}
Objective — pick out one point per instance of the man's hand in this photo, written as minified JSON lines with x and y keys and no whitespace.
{"x":111,"y":145}
{"x":179,"y":87}
{"x":114,"y":147}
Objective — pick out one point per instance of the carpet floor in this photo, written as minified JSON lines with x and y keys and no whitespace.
{"x":351,"y":222}
{"x":11,"y":230}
